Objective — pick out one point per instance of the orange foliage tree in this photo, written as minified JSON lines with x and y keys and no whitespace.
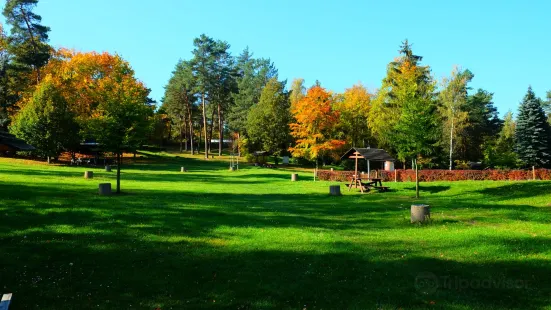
{"x":315,"y":124}
{"x":86,"y":79}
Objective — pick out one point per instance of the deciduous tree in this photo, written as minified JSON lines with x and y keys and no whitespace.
{"x":315,"y":121}
{"x":268,"y":122}
{"x":47,"y":122}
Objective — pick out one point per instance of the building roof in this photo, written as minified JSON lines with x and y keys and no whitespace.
{"x":369,"y":154}
{"x":14,"y":143}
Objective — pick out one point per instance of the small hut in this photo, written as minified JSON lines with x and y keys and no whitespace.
{"x":370,"y":154}
{"x":12,"y":144}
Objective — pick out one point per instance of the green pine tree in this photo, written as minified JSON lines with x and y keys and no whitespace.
{"x":28,"y":38}
{"x":532,"y":134}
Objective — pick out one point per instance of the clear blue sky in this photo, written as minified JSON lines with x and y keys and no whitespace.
{"x":506,"y":44}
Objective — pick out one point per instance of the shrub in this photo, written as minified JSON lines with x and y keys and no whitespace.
{"x":432,"y":175}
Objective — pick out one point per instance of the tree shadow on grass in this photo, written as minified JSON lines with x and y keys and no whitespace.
{"x":117,"y":269}
{"x":431,"y":189}
{"x":517,"y":190}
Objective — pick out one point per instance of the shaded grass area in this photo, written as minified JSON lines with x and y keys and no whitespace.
{"x":251,"y":239}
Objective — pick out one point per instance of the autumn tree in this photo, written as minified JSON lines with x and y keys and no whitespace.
{"x":353,"y":108}
{"x":298,"y":91}
{"x":387,"y":106}
{"x":268,"y":121}
{"x":47,"y":122}
{"x":314,"y":125}
{"x":453,"y":99}
{"x":415,"y":132}
{"x":6,"y":98}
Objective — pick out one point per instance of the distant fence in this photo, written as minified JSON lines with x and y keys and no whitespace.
{"x":441,"y":175}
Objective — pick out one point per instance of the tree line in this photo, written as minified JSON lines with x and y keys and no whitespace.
{"x":56,"y":99}
{"x":437,"y":124}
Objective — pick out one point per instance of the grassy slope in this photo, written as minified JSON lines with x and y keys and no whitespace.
{"x":252,"y":239}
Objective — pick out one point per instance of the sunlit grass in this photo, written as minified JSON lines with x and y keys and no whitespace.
{"x":252,"y":239}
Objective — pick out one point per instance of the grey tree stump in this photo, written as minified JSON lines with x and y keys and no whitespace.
{"x":294,"y":177}
{"x":420,"y":213}
{"x":183,"y":169}
{"x":88,"y":174}
{"x":107,"y":168}
{"x":105,"y":189}
{"x":334,"y":190}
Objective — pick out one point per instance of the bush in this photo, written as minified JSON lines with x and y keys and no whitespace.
{"x":444,"y":175}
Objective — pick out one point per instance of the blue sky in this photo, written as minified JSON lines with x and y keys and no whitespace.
{"x":506,"y":44}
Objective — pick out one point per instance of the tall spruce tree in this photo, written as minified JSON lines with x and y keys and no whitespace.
{"x":532,"y":134}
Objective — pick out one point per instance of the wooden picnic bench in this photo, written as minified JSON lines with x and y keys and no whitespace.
{"x":375,"y":183}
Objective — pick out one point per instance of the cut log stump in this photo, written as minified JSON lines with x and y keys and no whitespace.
{"x":5,"y":302}
{"x":294,"y":177}
{"x":105,"y":189}
{"x":107,"y":168}
{"x":88,"y":174}
{"x":420,"y":213}
{"x":334,"y":190}
{"x":183,"y":169}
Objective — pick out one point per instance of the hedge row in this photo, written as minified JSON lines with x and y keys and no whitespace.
{"x":441,"y":175}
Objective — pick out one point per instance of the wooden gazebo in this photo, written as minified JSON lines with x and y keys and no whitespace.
{"x":369,"y":154}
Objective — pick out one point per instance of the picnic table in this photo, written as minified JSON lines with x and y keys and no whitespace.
{"x":375,"y":183}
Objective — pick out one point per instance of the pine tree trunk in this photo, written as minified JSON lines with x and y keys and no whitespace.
{"x":451,"y":146}
{"x":211,"y":129}
{"x":182,"y":138}
{"x":119,"y":164}
{"x":205,"y":125}
{"x":220,"y":131}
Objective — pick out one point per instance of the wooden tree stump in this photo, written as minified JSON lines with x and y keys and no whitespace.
{"x":183,"y":169}
{"x":107,"y":168}
{"x":105,"y":189}
{"x":334,"y":190}
{"x":88,"y":174}
{"x":294,"y":177}
{"x":420,"y":213}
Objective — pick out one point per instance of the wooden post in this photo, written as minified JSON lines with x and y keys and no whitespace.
{"x":533,"y":173}
{"x":183,"y":169}
{"x":294,"y":177}
{"x":420,"y":213}
{"x":105,"y":189}
{"x":107,"y":168}
{"x":368,"y":169}
{"x":334,"y":190}
{"x":395,"y":175}
{"x":88,"y":174}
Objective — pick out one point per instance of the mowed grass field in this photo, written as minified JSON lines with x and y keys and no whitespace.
{"x":251,"y":239}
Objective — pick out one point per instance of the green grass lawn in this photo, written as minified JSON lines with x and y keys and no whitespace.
{"x":251,"y":239}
